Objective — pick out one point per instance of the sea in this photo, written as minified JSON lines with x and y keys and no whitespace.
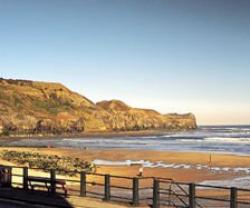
{"x":217,"y":139}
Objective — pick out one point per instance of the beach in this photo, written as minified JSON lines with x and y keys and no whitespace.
{"x":225,"y":170}
{"x":185,"y":166}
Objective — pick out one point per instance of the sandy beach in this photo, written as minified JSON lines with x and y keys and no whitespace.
{"x":190,"y":174}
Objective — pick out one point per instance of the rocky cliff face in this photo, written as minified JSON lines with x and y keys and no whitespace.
{"x":28,"y":107}
{"x":124,"y":117}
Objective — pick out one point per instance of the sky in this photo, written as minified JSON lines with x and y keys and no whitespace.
{"x":171,"y":55}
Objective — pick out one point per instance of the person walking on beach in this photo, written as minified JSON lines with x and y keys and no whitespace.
{"x":140,"y":174}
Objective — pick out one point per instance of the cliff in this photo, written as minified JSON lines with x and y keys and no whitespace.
{"x":28,"y":107}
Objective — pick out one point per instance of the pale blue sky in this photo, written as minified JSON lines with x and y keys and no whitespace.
{"x":171,"y":55}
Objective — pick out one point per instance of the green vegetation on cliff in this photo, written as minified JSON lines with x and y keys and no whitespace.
{"x":39,"y":108}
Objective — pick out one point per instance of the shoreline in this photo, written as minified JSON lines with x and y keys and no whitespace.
{"x":7,"y":142}
{"x":97,"y":134}
{"x":123,"y":149}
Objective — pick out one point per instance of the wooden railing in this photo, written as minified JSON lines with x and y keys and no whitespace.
{"x":151,"y":191}
{"x":183,"y":195}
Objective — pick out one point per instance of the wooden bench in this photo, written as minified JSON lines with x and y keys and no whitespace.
{"x":41,"y":182}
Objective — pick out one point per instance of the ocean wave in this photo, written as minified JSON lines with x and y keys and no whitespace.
{"x":228,"y":139}
{"x":190,"y":140}
{"x":118,"y":163}
{"x":206,"y":139}
{"x":160,"y":164}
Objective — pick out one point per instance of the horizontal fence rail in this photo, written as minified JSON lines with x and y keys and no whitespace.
{"x":149,"y":191}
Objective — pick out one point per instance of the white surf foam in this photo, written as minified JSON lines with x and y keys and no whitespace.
{"x":160,"y":164}
{"x":190,"y":140}
{"x":144,"y":163}
{"x":227,"y":139}
{"x":119,"y":163}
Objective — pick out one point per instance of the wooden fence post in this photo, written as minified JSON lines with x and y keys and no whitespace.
{"x":107,"y":187}
{"x":83,"y":184}
{"x":135,"y":192}
{"x":10,"y":176}
{"x":192,"y":203}
{"x":25,"y":178}
{"x":156,"y":193}
{"x":233,"y":198}
{"x":53,"y":181}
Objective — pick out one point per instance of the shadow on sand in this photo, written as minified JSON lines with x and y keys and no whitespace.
{"x":13,"y":197}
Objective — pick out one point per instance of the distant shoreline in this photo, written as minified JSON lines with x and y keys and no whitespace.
{"x":96,"y":134}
